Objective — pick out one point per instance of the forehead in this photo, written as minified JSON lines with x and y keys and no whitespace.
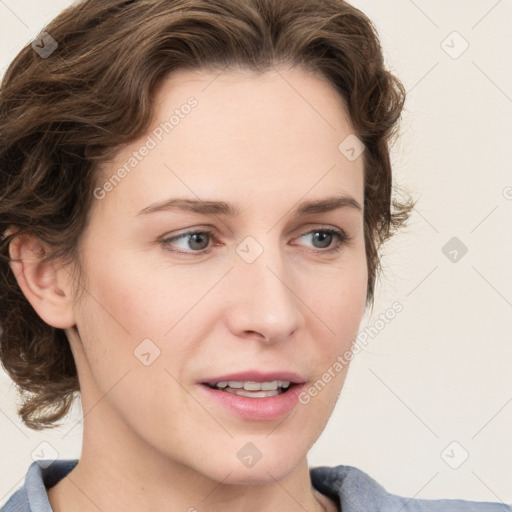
{"x":285,"y":89}
{"x":247,"y":134}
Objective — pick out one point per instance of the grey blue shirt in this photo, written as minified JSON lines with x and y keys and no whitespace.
{"x":350,"y":488}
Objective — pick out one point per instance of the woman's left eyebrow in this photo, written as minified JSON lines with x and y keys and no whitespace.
{"x":206,"y":207}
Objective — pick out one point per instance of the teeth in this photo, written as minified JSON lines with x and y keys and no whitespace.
{"x":253,"y":394}
{"x":254,"y":386}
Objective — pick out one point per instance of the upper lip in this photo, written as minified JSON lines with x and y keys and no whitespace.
{"x":256,"y":376}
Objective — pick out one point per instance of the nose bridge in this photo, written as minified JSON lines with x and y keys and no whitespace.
{"x":264,"y":301}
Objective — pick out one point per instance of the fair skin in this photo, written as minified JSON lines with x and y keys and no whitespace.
{"x":153,"y":439}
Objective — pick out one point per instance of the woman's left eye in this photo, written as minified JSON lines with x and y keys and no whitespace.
{"x":198,"y":241}
{"x":327,"y":235}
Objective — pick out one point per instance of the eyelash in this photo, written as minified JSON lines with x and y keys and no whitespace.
{"x":341,"y":237}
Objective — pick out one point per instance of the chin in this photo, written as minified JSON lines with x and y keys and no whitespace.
{"x":260,"y":474}
{"x":250,"y":465}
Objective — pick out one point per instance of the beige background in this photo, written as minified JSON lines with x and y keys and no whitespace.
{"x":438,"y":375}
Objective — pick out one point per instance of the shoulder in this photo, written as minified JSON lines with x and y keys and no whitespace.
{"x":32,"y":496}
{"x":18,"y":502}
{"x":355,"y":491}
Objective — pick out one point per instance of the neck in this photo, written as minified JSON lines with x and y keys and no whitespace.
{"x":118,"y":471}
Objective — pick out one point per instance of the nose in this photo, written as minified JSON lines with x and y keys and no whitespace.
{"x":264,"y":305}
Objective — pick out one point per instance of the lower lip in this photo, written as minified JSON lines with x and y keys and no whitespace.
{"x":262,"y":409}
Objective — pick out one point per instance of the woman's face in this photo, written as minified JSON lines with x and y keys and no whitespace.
{"x":265,"y":291}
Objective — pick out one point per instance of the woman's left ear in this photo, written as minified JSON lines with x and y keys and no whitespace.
{"x":45,"y":285}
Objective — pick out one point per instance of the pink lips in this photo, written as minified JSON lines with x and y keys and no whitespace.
{"x":256,"y":376}
{"x":256,"y":409}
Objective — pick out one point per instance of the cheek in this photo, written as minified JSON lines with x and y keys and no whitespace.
{"x":129,"y":362}
{"x":135,"y":315}
{"x":113,"y":320}
{"x":138,"y":300}
{"x":339,"y":300}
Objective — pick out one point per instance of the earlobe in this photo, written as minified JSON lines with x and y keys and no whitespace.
{"x":44,"y":285}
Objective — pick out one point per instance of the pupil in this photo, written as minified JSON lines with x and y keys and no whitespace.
{"x":323,"y":236}
{"x":193,"y":239}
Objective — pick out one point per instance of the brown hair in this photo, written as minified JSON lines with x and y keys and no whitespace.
{"x":64,"y":115}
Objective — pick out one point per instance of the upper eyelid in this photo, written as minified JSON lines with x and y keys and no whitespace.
{"x":213,"y":231}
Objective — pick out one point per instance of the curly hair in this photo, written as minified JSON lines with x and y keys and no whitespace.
{"x":62,"y":116}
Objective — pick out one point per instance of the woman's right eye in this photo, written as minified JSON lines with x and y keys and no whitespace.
{"x":193,"y":239}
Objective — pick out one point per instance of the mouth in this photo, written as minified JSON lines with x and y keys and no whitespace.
{"x":254,"y":395}
{"x":253,"y":389}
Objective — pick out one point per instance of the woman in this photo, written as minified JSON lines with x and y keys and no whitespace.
{"x":194,"y":195}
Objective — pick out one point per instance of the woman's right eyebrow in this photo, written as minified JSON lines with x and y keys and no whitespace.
{"x":207,"y":207}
